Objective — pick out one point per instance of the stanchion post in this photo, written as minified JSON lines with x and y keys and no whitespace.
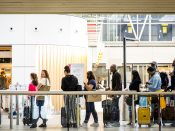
{"x":17,"y":110}
{"x":11,"y":113}
{"x":67,"y":112}
{"x":0,"y":107}
{"x":78,"y":111}
{"x":133,"y":111}
{"x":159,"y":120}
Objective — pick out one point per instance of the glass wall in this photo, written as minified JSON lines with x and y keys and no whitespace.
{"x":143,"y":27}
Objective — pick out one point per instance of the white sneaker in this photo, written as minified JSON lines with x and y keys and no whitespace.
{"x":108,"y":125}
{"x":116,"y":124}
{"x":94,"y":124}
{"x":85,"y":125}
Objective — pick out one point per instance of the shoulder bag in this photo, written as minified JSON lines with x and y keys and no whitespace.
{"x":43,"y":88}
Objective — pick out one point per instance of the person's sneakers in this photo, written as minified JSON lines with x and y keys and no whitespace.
{"x":33,"y":126}
{"x":84,"y":125}
{"x":43,"y":125}
{"x":116,"y":124}
{"x":95,"y":124}
{"x":108,"y":125}
{"x":129,"y":124}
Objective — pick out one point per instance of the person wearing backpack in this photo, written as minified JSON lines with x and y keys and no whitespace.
{"x":69,"y":83}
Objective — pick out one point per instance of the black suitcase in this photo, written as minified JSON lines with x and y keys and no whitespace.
{"x":168,"y":115}
{"x":27,"y":118}
{"x":63,"y":117}
{"x":106,"y":105}
{"x":27,"y":113}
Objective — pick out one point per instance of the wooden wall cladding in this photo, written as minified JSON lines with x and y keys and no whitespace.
{"x":87,"y":6}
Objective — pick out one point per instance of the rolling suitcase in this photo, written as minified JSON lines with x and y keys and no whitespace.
{"x":106,"y":105}
{"x":27,"y":113}
{"x":63,"y":117}
{"x":144,"y":114}
{"x":64,"y":122}
{"x":27,"y":117}
{"x":168,"y":113}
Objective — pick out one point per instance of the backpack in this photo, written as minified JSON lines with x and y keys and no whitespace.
{"x":164,"y":79}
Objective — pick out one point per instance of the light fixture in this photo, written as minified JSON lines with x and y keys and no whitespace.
{"x":36,"y":29}
{"x":165,"y":28}
{"x":129,"y":28}
{"x":11,"y":29}
{"x":61,"y":29}
{"x":76,"y":31}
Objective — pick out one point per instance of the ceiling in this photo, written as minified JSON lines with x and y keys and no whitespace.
{"x":87,"y":6}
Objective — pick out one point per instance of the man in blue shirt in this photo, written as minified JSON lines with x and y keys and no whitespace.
{"x":154,"y":82}
{"x":153,"y":85}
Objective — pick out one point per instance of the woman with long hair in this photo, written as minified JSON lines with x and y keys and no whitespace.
{"x":90,"y":106}
{"x":134,"y":86}
{"x":33,"y":87}
{"x":40,"y":100}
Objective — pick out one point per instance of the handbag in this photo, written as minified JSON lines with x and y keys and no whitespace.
{"x":43,"y":88}
{"x":94,"y":98}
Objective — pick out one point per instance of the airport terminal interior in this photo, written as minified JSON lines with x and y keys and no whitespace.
{"x":86,"y":42}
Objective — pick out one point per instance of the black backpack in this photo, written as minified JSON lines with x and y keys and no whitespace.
{"x":164,"y":79}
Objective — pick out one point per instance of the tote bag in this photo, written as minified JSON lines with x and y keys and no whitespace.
{"x":43,"y":88}
{"x":94,"y":98}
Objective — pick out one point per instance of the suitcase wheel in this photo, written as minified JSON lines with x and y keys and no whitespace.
{"x":139,"y":125}
{"x":149,"y":125}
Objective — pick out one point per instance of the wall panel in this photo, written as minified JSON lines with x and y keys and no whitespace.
{"x":78,"y":6}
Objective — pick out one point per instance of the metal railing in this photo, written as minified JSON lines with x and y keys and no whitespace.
{"x":159,"y":94}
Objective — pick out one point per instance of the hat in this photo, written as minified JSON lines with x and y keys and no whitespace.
{"x":153,"y":63}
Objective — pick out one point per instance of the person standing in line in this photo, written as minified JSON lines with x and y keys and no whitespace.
{"x":40,"y":100}
{"x":172,"y":75}
{"x":33,"y":87}
{"x":172,"y":86}
{"x":154,"y":84}
{"x":69,"y":83}
{"x":116,"y":86}
{"x":134,"y":86}
{"x":90,"y":106}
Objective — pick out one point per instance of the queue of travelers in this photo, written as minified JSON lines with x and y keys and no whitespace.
{"x":157,"y":81}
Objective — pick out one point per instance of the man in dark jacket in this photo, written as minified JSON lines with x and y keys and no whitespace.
{"x":172,"y":74}
{"x":116,"y":86}
{"x":69,"y":83}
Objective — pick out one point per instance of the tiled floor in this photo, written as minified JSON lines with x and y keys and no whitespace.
{"x":54,"y":125}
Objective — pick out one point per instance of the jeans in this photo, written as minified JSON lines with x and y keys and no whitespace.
{"x":40,"y":103}
{"x":115,"y":110}
{"x":90,"y":108}
{"x":154,"y":109}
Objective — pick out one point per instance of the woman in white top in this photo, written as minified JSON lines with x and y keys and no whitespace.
{"x":45,"y":80}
